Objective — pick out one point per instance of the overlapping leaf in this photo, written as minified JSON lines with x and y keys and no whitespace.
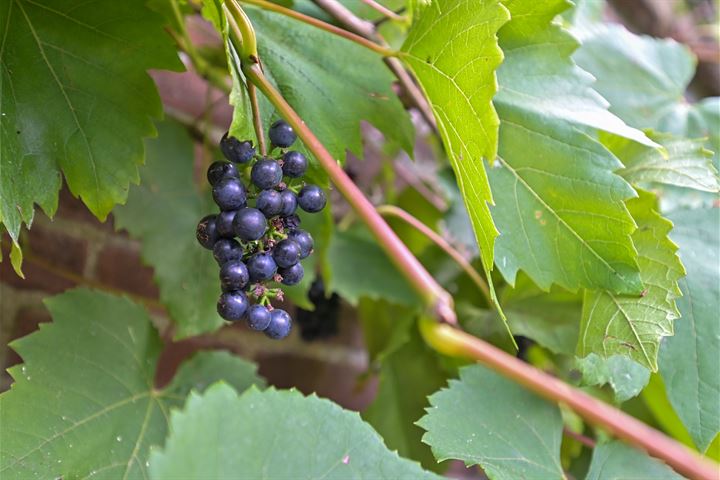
{"x":626,"y":377}
{"x":689,"y":360}
{"x":452,"y":49}
{"x":274,"y":434}
{"x":559,"y":206}
{"x":408,"y":374}
{"x":83,"y":403}
{"x":685,"y":163}
{"x":633,"y":325}
{"x":645,"y":79}
{"x":617,"y":461}
{"x":484,"y":419}
{"x":163,"y":212}
{"x":75,"y":98}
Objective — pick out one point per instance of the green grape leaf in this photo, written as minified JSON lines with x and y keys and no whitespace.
{"x":633,"y":325}
{"x":484,"y":419}
{"x":163,"y":212}
{"x":645,"y":79}
{"x":80,"y":107}
{"x":689,"y":360}
{"x":83,"y":403}
{"x":617,"y":461}
{"x":332,"y":83}
{"x":626,"y":377}
{"x":655,"y":398}
{"x":407,"y":376}
{"x":685,"y":163}
{"x":273,"y":434}
{"x":553,"y":182}
{"x":360,"y":268}
{"x":452,"y":49}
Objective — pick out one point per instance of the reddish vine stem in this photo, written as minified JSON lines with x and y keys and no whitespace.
{"x":431,"y":292}
{"x":454,"y":342}
{"x":257,"y":120}
{"x":375,"y":47}
{"x":393,"y":211}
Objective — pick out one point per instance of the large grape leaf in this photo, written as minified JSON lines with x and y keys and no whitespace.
{"x":332,"y":83}
{"x":645,"y":79}
{"x":83,"y":403}
{"x":617,"y":461}
{"x":685,"y":163}
{"x":559,"y":206}
{"x":163,"y":212}
{"x":633,"y":325}
{"x":452,"y":49}
{"x":273,"y":434}
{"x":484,"y":419}
{"x":75,"y":98}
{"x":689,"y":360}
{"x":408,"y":375}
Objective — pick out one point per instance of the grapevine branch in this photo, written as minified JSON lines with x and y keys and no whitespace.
{"x":454,"y":342}
{"x":393,"y":211}
{"x":442,"y":336}
{"x":257,"y":120}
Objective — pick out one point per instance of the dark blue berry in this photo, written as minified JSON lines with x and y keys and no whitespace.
{"x":292,"y":221}
{"x":311,"y":198}
{"x":258,"y":317}
{"x":227,"y":250}
{"x":289,"y":203}
{"x":230,"y":194}
{"x":281,"y":134}
{"x":292,"y":275}
{"x":235,"y":150}
{"x":304,"y":240}
{"x":232,"y":305}
{"x":280,"y":324}
{"x":266,"y":173}
{"x":219,"y":170}
{"x":269,"y":202}
{"x":234,"y":276}
{"x":224,"y":223}
{"x":294,"y":164}
{"x":261,"y":266}
{"x":286,"y":253}
{"x":206,"y":232}
{"x":249,"y":224}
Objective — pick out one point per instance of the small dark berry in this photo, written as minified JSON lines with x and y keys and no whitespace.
{"x":261,"y":266}
{"x":294,"y":164}
{"x":289,"y":203}
{"x":269,"y":202}
{"x":232,"y":305}
{"x":206,"y":232}
{"x":235,"y":150}
{"x":219,"y":170}
{"x":280,"y":324}
{"x":281,"y":134}
{"x":224,"y":223}
{"x":258,"y":317}
{"x":292,"y":275}
{"x":286,"y":253}
{"x":234,"y":276}
{"x":311,"y":198}
{"x":266,"y":173}
{"x":227,"y":250}
{"x":304,"y":240}
{"x":249,"y":224}
{"x":230,"y":194}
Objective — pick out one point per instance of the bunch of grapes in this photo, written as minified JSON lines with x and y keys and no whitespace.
{"x":256,"y":238}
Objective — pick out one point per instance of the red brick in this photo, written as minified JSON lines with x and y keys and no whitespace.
{"x":122,"y":268}
{"x":73,"y":208}
{"x":57,"y":248}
